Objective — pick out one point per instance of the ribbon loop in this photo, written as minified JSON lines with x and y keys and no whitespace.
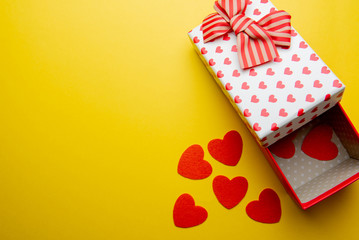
{"x":256,"y":41}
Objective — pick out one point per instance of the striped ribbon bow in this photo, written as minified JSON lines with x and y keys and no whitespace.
{"x":255,"y":40}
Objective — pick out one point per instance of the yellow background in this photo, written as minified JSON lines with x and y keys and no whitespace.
{"x":98,"y":100}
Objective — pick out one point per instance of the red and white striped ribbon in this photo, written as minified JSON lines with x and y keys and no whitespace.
{"x":256,"y":41}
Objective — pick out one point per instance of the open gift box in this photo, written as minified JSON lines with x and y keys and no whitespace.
{"x":283,"y":100}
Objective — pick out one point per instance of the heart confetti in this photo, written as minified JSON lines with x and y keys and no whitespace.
{"x":267,"y":209}
{"x":186,"y":214}
{"x":229,"y":192}
{"x":192,"y":165}
{"x":318,"y":145}
{"x":227,"y":151}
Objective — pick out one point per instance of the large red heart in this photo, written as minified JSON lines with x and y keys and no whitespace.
{"x":229,"y":192}
{"x":192,"y":165}
{"x":186,"y":213}
{"x":284,"y":148}
{"x":227,"y":151}
{"x":267,"y":209}
{"x":317,"y":144}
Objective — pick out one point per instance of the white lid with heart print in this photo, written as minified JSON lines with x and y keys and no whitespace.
{"x":278,"y":97}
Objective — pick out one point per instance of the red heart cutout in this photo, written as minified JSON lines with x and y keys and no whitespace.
{"x":284,"y":148}
{"x":267,"y":209}
{"x":318,"y":145}
{"x":229,"y":192}
{"x":227,"y":151}
{"x":186,"y":214}
{"x":192,"y":165}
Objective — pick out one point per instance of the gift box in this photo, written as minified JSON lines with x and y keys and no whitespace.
{"x":283,"y":92}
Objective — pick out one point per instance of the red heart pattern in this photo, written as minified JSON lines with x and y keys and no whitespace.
{"x":318,"y":145}
{"x":267,"y":209}
{"x":192,"y":165}
{"x":229,"y":192}
{"x":186,"y":214}
{"x":227,"y":151}
{"x":303,"y":80}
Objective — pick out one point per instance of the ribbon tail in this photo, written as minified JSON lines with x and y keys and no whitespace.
{"x":214,"y":26}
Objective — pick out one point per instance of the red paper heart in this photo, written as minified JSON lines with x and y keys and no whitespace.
{"x":229,"y":192}
{"x":227,"y":151}
{"x":186,"y":214}
{"x":318,"y":145}
{"x":192,"y":165}
{"x":284,"y":148}
{"x":267,"y":209}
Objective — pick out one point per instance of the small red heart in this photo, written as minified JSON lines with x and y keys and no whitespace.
{"x":203,"y":50}
{"x":287,"y":71}
{"x":293,"y":33}
{"x":283,"y":113}
{"x":314,"y":109}
{"x":256,"y":127}
{"x":306,"y":71}
{"x":227,"y":151}
{"x":196,"y":40}
{"x":192,"y":165}
{"x":318,"y":145}
{"x":246,"y":113}
{"x":309,"y":98}
{"x":264,"y":113}
{"x":302,"y":120}
{"x":252,"y":72}
{"x":274,"y":127}
{"x":295,"y":58}
{"x":272,"y":99}
{"x":315,"y":115}
{"x":289,"y":124}
{"x":267,"y":209}
{"x":327,"y":106}
{"x":303,"y":45}
{"x":226,"y":37}
{"x":219,"y":49}
{"x":229,"y":192}
{"x":262,"y":85}
{"x":228,"y":87}
{"x":220,"y":74}
{"x":325,"y":70}
{"x":186,"y":214}
{"x":211,"y":62}
{"x":314,"y":57}
{"x":337,"y":84}
{"x":290,"y":98}
{"x":270,"y":72}
{"x":300,"y":112}
{"x":234,"y":48}
{"x":327,"y":97}
{"x":278,"y":59}
{"x":298,"y":84}
{"x":254,"y":99}
{"x":264,"y":1}
{"x":227,"y":61}
{"x":236,"y":73}
{"x":245,"y":86}
{"x":284,"y":148}
{"x":317,"y":84}
{"x":256,"y":12}
{"x":280,"y":85}
{"x":237,"y":99}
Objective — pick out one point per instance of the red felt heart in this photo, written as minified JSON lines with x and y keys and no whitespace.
{"x":284,"y":148}
{"x":227,"y":151}
{"x":267,"y":209}
{"x":229,"y":192}
{"x":186,"y":213}
{"x":317,"y":144}
{"x":192,"y":165}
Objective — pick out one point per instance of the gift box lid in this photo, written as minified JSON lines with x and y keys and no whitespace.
{"x":277,"y":97}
